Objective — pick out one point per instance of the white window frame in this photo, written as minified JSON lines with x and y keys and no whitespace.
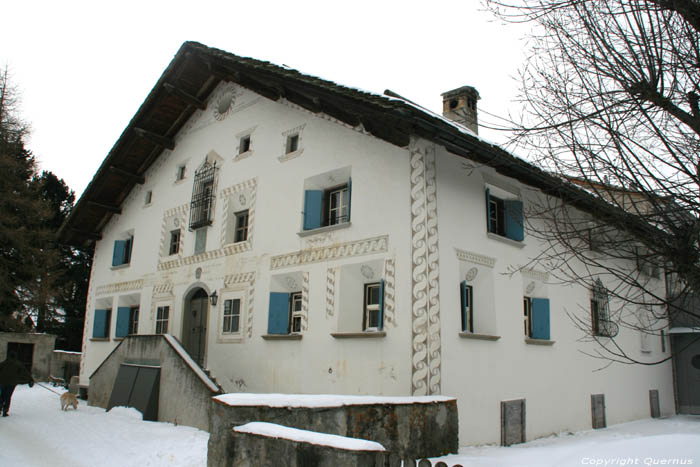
{"x":296,"y":301}
{"x":162,"y":319}
{"x":229,"y":315}
{"x":370,"y":308}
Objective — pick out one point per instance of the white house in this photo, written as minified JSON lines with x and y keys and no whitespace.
{"x":356,"y":244}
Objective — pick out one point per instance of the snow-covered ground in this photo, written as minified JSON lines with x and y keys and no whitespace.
{"x":38,"y":434}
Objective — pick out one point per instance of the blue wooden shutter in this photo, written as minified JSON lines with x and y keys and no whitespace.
{"x":313,"y":206}
{"x":100,"y":325}
{"x":381,"y":304}
{"x":463,"y":300}
{"x":278,"y":319}
{"x":349,"y":197}
{"x":488,"y":210}
{"x":118,"y":254}
{"x":540,"y":318}
{"x":123,"y":315}
{"x":514,"y":219}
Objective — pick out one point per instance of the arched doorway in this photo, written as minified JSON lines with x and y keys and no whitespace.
{"x":194,"y":324}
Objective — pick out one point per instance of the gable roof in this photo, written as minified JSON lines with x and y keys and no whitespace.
{"x":196,"y":70}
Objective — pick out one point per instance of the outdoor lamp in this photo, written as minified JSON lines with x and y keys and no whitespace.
{"x":214,"y":298}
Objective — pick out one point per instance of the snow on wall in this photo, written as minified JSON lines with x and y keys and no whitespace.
{"x":320,"y":400}
{"x":191,"y":363}
{"x":273,"y":430}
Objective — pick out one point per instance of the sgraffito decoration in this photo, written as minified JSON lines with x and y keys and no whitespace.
{"x":425,"y":296}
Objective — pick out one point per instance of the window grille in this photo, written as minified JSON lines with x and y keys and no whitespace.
{"x":600,"y":312}
{"x":201,"y":214}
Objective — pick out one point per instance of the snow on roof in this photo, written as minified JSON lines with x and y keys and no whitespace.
{"x":321,"y":400}
{"x":272,"y":430}
{"x":191,"y":363}
{"x":68,"y":352}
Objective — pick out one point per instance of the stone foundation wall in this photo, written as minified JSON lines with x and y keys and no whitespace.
{"x":254,"y":450}
{"x":414,"y":431}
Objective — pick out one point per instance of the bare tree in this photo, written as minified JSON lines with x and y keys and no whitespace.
{"x":611,"y":103}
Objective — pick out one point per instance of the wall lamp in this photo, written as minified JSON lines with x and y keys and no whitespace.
{"x":213,"y":298}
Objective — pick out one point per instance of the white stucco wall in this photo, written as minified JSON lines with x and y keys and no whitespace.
{"x":556,"y":380}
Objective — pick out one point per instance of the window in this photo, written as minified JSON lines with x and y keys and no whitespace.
{"x":162,"y":314}
{"x":232,"y":316}
{"x":134,"y":321}
{"x":201,"y":214}
{"x":295,"y":312}
{"x":504,"y":217}
{"x":149,"y":197}
{"x":292,"y":143}
{"x":241,"y":229}
{"x":600,"y":312}
{"x":373,"y":319}
{"x":285,"y":313}
{"x":122,"y":251}
{"x":327,"y":207}
{"x":180,"y":174}
{"x":127,"y":321}
{"x":466,"y":294}
{"x":244,"y":145}
{"x":336,"y":205}
{"x":527,"y":316}
{"x":536,"y":317}
{"x":174,"y":242}
{"x":100,"y":327}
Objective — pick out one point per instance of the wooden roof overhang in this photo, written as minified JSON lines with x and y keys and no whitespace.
{"x":196,"y":70}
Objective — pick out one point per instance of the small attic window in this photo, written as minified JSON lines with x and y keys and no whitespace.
{"x":180,"y":172}
{"x":149,"y":197}
{"x":245,"y":145}
{"x":453,"y":104}
{"x":471,"y":103}
{"x":292,"y":143}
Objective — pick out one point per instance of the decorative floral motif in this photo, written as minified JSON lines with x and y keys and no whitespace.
{"x":305,"y":301}
{"x":471,"y":274}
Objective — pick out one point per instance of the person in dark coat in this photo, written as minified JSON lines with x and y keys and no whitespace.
{"x":12,"y":373}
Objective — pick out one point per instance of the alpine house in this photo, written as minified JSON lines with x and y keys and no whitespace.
{"x":298,"y":236}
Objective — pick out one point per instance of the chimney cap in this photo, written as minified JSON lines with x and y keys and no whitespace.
{"x":470,"y":90}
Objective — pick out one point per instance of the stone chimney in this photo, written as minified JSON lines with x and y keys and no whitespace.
{"x":459,"y":105}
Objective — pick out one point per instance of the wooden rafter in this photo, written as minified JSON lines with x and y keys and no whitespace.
{"x":107,"y":207}
{"x":87,"y":235}
{"x":136,"y":178}
{"x":163,"y":141}
{"x":188,"y":98}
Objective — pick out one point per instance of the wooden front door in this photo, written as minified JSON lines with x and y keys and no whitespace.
{"x":195,"y":329}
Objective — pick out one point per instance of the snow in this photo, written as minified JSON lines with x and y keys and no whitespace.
{"x":67,"y":352}
{"x":320,"y":400}
{"x":294,"y":434}
{"x":186,"y":357}
{"x":649,"y":442}
{"x":38,"y":434}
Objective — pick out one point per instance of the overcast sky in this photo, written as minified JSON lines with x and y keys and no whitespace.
{"x":84,"y":68}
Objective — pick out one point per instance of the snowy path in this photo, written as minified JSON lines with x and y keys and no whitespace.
{"x":38,"y":434}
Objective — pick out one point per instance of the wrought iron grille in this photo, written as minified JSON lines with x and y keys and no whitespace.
{"x":201,"y":206}
{"x":600,"y":312}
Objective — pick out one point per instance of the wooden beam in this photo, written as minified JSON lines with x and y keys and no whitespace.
{"x":140,"y":179}
{"x":188,"y":98}
{"x":106,"y":207}
{"x":86,"y":234}
{"x":163,"y":141}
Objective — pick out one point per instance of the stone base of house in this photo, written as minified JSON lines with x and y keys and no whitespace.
{"x":407,"y":427}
